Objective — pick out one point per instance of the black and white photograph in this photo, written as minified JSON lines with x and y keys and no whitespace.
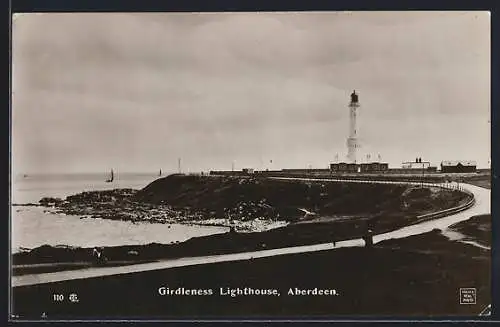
{"x":248,"y":165}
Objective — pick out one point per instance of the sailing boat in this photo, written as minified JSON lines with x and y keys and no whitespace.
{"x":110,"y":179}
{"x":159,"y":173}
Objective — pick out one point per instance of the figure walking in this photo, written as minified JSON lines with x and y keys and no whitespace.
{"x":368,"y":238}
{"x":98,"y":256}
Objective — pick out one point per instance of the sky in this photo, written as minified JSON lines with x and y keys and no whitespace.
{"x":136,"y":91}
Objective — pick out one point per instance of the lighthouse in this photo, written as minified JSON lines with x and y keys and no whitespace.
{"x":352,"y":140}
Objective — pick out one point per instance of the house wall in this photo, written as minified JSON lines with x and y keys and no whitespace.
{"x":458,"y":169}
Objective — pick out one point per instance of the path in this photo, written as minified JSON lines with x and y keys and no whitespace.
{"x":481,"y":206}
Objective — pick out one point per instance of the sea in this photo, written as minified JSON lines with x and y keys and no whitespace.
{"x":34,"y":226}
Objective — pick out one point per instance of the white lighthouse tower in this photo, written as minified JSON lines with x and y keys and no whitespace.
{"x":352,"y":140}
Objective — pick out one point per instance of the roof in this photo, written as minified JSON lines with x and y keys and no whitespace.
{"x":456,"y":162}
{"x":413,"y":162}
{"x":364,"y":163}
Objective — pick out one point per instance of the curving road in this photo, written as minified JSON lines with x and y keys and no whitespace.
{"x":481,"y":206}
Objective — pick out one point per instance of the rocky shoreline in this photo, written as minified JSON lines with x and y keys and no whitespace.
{"x":225,"y":201}
{"x":261,"y":213}
{"x":119,"y":204}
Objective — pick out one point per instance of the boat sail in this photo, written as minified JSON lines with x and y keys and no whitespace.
{"x":111,"y":177}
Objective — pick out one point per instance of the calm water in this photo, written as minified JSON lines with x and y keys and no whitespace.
{"x":32,"y":188}
{"x":33,"y":226}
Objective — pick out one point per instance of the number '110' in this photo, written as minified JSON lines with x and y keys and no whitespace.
{"x":58,"y":297}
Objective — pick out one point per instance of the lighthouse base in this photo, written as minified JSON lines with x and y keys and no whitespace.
{"x":352,"y":146}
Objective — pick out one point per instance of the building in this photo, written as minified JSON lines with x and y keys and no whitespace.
{"x":343,"y":167}
{"x":247,"y":170}
{"x":415,"y":167}
{"x":458,"y":167}
{"x":372,"y":167}
{"x":419,"y":165}
{"x":352,"y":140}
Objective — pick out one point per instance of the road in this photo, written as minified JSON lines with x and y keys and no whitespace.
{"x":481,"y":206}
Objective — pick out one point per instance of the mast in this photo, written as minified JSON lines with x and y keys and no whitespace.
{"x":110,"y":179}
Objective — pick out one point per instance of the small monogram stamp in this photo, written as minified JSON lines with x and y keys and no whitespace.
{"x":467,"y":296}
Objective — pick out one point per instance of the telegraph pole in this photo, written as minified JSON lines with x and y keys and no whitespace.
{"x":423,"y":172}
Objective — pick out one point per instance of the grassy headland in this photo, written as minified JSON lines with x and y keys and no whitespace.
{"x":416,"y":276}
{"x":183,"y":198}
{"x":342,"y":211}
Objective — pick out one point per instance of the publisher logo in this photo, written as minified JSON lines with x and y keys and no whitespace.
{"x":467,"y":296}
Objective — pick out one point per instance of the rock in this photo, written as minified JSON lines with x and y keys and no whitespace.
{"x":49,"y":201}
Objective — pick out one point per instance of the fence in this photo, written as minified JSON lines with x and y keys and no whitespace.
{"x":435,"y":181}
{"x":470,"y":200}
{"x":447,"y":212}
{"x":311,"y":177}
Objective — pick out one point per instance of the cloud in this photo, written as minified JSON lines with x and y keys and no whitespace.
{"x":242,"y":85}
